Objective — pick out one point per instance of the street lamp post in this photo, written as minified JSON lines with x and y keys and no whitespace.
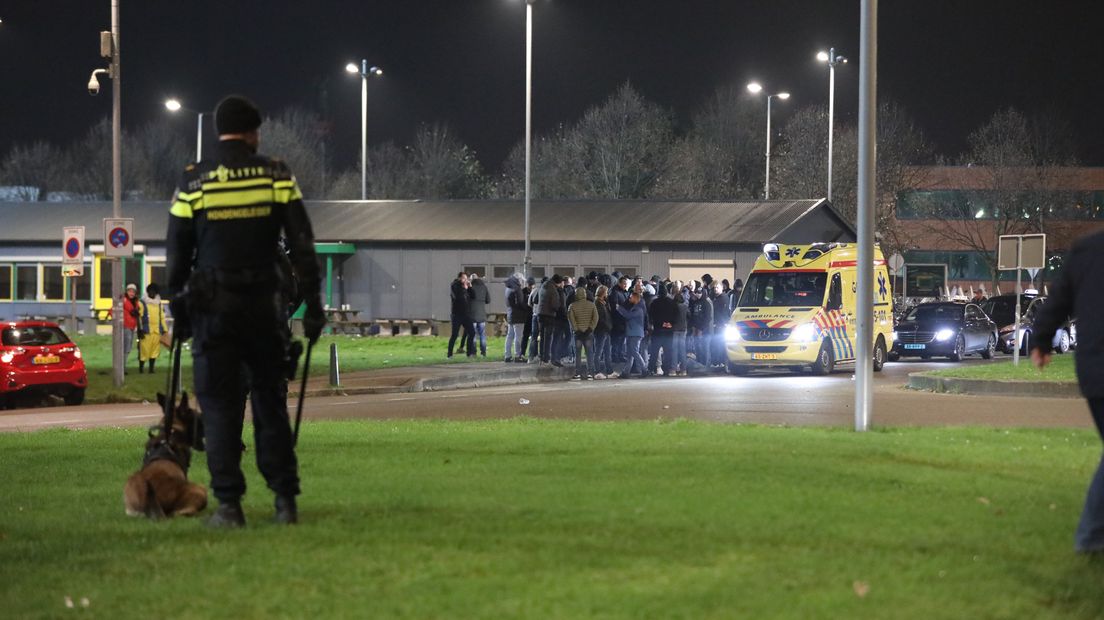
{"x":174,"y":105}
{"x":832,"y":59}
{"x":755,"y":87}
{"x":365,"y":72}
{"x":527,"y":262}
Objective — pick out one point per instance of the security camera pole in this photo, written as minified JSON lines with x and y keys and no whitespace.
{"x":109,"y":48}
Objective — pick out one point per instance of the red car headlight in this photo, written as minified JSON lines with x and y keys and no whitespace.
{"x":7,"y":357}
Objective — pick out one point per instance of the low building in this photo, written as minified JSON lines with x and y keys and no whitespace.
{"x":396,"y":259}
{"x":955,"y":214}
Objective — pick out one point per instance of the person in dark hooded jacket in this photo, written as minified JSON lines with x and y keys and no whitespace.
{"x":462,"y":296}
{"x":701,"y":324}
{"x":479,"y":302}
{"x":517,"y":315}
{"x":549,"y":304}
{"x":618,"y":295}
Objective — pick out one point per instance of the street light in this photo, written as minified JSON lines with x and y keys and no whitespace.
{"x":755,"y":87}
{"x":527,"y":261}
{"x":174,"y":105}
{"x":365,"y":72}
{"x":832,"y":59}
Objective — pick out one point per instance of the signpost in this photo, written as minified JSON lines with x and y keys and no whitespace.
{"x":118,"y":236}
{"x":72,"y":266}
{"x":1020,"y":252}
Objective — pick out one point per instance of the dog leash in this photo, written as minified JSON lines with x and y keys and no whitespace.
{"x":302,"y":393}
{"x":174,"y":379}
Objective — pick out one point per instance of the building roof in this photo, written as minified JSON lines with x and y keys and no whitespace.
{"x":467,"y":221}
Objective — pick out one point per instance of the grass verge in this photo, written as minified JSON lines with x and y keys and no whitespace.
{"x":553,"y":519}
{"x":355,"y":353}
{"x":1060,"y":370}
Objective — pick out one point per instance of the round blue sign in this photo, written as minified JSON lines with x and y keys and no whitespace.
{"x":119,"y":237}
{"x":72,"y":247}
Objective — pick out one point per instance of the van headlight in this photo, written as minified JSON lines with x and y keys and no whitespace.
{"x":731,"y":333}
{"x":804,"y":333}
{"x":894,"y":336}
{"x":944,"y":335}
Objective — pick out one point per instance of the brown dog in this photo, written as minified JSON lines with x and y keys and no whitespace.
{"x":161,"y":488}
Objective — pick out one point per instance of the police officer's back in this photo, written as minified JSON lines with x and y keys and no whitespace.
{"x":225,"y":223}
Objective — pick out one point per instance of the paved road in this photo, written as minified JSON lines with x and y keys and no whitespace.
{"x":769,"y":398}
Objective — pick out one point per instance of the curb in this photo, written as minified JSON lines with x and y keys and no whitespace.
{"x":493,"y":378}
{"x":988,"y":387}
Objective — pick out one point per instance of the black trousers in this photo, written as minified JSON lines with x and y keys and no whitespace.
{"x":241,"y":347}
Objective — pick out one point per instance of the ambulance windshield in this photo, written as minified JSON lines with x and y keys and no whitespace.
{"x":784,"y":288}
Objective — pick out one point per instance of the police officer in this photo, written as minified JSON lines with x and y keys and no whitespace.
{"x":225,"y":222}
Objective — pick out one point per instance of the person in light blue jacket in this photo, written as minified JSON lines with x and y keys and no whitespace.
{"x":634,"y":314}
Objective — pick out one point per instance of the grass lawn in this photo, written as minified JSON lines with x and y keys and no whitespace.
{"x":355,"y":354}
{"x":1060,"y":369}
{"x":555,"y":519}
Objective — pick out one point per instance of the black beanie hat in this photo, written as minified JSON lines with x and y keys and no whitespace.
{"x":236,"y":114}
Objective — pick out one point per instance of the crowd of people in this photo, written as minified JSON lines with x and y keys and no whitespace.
{"x":607,"y":325}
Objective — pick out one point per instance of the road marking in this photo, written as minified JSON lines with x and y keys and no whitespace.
{"x":349,"y":402}
{"x":395,"y":400}
{"x":144,"y":415}
{"x":58,"y":422}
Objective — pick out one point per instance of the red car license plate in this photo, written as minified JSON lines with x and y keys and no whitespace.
{"x":46,"y":359}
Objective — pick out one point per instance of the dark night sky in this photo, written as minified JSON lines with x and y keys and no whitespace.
{"x":951,"y":62}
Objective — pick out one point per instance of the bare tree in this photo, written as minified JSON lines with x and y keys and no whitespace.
{"x":156,"y":154}
{"x":298,"y":136}
{"x":36,"y":170}
{"x":446,"y":167}
{"x":721,"y":158}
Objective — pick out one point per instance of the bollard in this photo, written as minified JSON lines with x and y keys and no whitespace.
{"x":335,"y":370}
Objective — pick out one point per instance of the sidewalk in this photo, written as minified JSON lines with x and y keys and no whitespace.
{"x":433,"y":378}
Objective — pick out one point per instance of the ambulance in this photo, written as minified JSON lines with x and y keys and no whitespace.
{"x":797,"y":310}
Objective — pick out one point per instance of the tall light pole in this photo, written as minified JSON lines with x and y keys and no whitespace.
{"x":527,"y":261}
{"x":832,"y":59}
{"x":174,"y":105}
{"x":365,"y":72}
{"x":755,"y":87}
{"x":109,"y":49}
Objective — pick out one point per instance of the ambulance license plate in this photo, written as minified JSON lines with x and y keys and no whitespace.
{"x":46,"y":359}
{"x":764,"y":356}
{"x":915,"y":346}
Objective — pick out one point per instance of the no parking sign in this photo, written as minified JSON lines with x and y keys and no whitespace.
{"x":118,"y":237}
{"x":72,"y":251}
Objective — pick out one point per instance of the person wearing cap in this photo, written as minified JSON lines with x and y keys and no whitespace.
{"x":226,"y":218}
{"x":131,"y":312}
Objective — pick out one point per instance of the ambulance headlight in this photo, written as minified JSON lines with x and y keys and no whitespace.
{"x":731,"y":333}
{"x":804,"y":333}
{"x":944,"y":335}
{"x":894,"y":336}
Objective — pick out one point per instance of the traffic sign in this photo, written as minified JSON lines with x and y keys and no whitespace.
{"x":72,"y":251}
{"x":896,"y":262}
{"x":118,"y":237}
{"x":1021,"y":252}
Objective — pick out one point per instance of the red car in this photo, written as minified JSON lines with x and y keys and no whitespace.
{"x":36,"y":356}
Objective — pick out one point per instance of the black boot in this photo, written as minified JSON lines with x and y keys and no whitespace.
{"x":286,"y":511}
{"x":228,"y":516}
{"x":152,"y":363}
{"x":141,"y":367}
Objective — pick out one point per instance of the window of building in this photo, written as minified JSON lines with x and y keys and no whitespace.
{"x":159,"y":274}
{"x":26,"y":282}
{"x":5,"y":282}
{"x":629,"y":271}
{"x":480,"y":270}
{"x":564,"y":271}
{"x":599,"y":269}
{"x":502,"y":272}
{"x":53,"y":283}
{"x":993,"y":204}
{"x":130,"y":276}
{"x":538,"y":272}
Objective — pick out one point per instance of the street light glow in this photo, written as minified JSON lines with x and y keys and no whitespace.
{"x":375,"y":71}
{"x":352,"y":68}
{"x":172,"y":105}
{"x":822,"y":56}
{"x":755,"y":87}
{"x":783,"y":96}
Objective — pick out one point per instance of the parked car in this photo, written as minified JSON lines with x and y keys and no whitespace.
{"x":37,"y":357}
{"x":1002,"y":310}
{"x":950,"y":329}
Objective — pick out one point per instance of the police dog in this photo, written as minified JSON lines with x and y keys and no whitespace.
{"x":161,"y":488}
